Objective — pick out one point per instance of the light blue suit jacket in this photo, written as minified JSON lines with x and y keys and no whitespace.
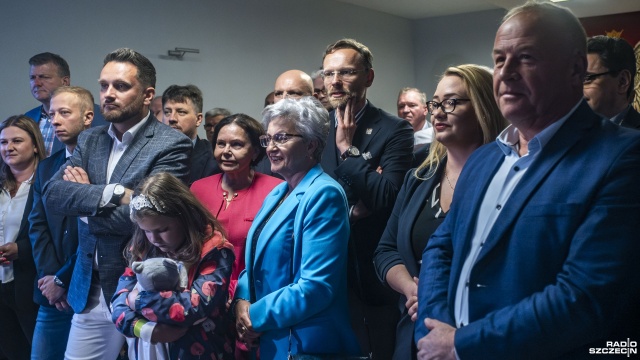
{"x":559,"y":271}
{"x":306,"y":238}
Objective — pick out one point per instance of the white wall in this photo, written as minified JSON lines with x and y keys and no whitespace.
{"x":445,"y":41}
{"x":244,"y":44}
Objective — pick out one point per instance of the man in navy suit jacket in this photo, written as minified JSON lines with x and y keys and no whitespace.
{"x":96,"y":186}
{"x":47,"y":72}
{"x":54,"y":236}
{"x":368,"y":152}
{"x":182,"y":110}
{"x":537,"y":258}
{"x":609,"y":84}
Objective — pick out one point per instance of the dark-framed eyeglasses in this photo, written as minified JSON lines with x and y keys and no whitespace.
{"x":447,"y":105}
{"x":278,"y":139}
{"x":588,"y":79}
{"x":344,"y":74}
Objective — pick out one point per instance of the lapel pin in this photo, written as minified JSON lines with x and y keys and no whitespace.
{"x":367,"y":155}
{"x":369,"y":131}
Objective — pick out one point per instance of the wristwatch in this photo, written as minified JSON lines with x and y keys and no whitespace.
{"x":352,"y":151}
{"x":118,"y":193}
{"x":59,"y":282}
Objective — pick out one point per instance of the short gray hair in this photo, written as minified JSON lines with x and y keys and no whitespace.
{"x":567,"y":23}
{"x":309,"y":117}
{"x":217,"y":111}
{"x":422,"y":95}
{"x":316,"y":74}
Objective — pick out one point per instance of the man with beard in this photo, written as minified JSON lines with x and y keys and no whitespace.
{"x":96,"y":186}
{"x":182,"y":110}
{"x":48,"y":72}
{"x":368,"y":151}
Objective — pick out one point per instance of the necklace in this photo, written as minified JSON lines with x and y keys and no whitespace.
{"x":448,"y":181}
{"x":229,"y":197}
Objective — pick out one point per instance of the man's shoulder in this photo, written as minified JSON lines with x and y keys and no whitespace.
{"x":57,"y":156}
{"x":93,"y":132}
{"x":373,"y":112}
{"x":163,"y":131}
{"x":52,"y":162}
{"x":423,"y":136}
{"x":632,"y":119}
{"x":34,"y":113}
{"x":203,"y":146}
{"x":601,"y":132}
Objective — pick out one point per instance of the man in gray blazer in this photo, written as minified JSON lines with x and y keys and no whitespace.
{"x":96,"y":184}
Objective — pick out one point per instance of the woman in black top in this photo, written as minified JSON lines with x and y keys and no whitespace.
{"x":464,"y":116}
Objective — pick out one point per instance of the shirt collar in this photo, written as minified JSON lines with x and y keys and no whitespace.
{"x":43,"y":114}
{"x":127,"y":137}
{"x":509,"y":139}
{"x":620,"y":116}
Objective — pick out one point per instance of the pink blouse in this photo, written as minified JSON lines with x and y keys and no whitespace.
{"x":236,"y":218}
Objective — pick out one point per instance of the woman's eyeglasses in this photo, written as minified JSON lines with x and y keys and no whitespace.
{"x":447,"y":105}
{"x":278,"y":139}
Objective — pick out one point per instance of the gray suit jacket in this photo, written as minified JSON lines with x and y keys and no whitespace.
{"x":155,"y":148}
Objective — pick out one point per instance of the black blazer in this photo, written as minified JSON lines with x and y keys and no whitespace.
{"x":202,"y":163}
{"x":54,"y":236}
{"x":384,"y":141}
{"x":24,"y":271}
{"x":632,"y":119}
{"x":395,"y":247}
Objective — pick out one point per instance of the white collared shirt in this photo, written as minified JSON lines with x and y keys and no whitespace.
{"x":117,"y":150}
{"x":11,"y":212}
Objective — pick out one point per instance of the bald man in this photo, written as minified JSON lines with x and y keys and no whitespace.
{"x":293,"y":84}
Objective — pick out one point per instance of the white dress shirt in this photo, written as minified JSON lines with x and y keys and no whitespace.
{"x":11,"y":211}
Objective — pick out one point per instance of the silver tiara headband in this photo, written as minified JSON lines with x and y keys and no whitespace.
{"x":143,"y":201}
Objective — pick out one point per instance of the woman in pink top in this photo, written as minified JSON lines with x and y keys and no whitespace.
{"x":235,"y":196}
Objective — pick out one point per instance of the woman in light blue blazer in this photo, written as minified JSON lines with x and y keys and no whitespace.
{"x":292,"y":294}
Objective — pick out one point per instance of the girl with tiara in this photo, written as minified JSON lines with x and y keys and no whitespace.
{"x":187,"y":324}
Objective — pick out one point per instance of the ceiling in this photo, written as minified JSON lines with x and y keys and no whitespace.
{"x":420,"y":9}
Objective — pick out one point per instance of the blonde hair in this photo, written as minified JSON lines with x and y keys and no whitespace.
{"x":478,"y":82}
{"x":85,"y":99}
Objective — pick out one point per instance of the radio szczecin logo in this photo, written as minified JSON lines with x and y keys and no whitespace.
{"x":627,"y":347}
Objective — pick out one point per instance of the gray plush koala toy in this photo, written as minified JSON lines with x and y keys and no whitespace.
{"x":160,"y":274}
